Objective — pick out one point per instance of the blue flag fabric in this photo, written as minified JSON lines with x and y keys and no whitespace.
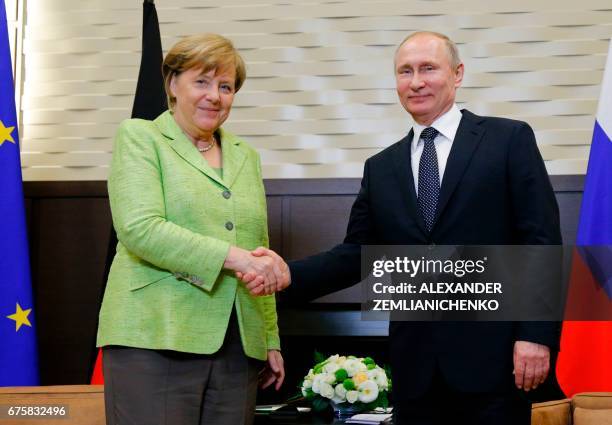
{"x":594,"y":238}
{"x":18,"y":356}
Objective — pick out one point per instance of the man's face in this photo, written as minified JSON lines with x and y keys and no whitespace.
{"x":426,"y":80}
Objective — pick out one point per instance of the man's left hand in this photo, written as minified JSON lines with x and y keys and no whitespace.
{"x":531,"y":364}
{"x":274,"y":371}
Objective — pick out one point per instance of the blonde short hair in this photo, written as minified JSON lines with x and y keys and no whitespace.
{"x":451,"y":47}
{"x":207,"y":51}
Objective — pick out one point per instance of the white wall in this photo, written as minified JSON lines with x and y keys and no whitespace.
{"x":319,"y":98}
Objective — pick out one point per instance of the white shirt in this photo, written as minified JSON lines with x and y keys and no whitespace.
{"x":447,"y":125}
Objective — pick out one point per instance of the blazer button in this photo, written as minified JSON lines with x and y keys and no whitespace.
{"x":227,"y":194}
{"x":229,"y":225}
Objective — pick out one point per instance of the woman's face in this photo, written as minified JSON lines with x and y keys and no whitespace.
{"x":203,"y":100}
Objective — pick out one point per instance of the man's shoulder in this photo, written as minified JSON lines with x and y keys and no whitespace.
{"x":391,"y":151}
{"x":499,"y":123}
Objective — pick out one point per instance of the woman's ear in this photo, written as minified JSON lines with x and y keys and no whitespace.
{"x":173,"y":85}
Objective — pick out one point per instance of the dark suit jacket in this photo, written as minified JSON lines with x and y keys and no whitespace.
{"x":495,"y":191}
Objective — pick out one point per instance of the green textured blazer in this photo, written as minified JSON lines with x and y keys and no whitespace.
{"x":175,"y":219}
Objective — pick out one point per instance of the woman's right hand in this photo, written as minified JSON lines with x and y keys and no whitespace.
{"x":265,"y":268}
{"x":255,"y":284}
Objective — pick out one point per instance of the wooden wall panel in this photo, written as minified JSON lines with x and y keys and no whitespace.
{"x":275,"y":211}
{"x":314,"y":222}
{"x":68,"y":243}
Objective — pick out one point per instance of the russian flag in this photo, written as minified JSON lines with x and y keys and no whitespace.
{"x":585,"y":359}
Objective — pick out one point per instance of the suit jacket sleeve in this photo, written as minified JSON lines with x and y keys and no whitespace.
{"x":535,"y":210}
{"x":339,"y":267}
{"x":138,"y":210}
{"x":536,"y":218}
{"x":268,"y":302}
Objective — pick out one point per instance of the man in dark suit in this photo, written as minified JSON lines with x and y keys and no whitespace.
{"x":456,"y":178}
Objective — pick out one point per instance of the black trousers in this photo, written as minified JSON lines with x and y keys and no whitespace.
{"x":443,"y":405}
{"x":161,"y":387}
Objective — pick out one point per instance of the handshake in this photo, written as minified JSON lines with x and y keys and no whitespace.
{"x":262,"y":270}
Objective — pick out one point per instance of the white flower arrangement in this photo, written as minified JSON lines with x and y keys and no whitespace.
{"x":347,"y":379}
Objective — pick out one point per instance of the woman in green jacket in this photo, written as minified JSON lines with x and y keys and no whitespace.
{"x":183,"y":340}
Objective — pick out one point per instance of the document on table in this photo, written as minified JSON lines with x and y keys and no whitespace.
{"x":369,"y":418}
{"x":267,"y":408}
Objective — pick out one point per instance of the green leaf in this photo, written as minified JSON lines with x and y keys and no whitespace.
{"x":371,"y":405}
{"x":310,"y":394}
{"x":369,"y":360}
{"x":383,"y":399}
{"x":341,"y":375}
{"x":295,"y":397}
{"x":387,"y":369}
{"x":319,"y":404}
{"x":371,"y":366}
{"x":319,"y":357}
{"x":348,"y":384}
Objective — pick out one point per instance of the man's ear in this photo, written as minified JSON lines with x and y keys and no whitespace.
{"x":459,"y":75}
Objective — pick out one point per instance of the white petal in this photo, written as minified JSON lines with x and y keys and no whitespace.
{"x":337,"y":399}
{"x":351,"y":367}
{"x":331,"y":367}
{"x":368,"y":391}
{"x":381,"y":379}
{"x":327,"y":390}
{"x":340,"y":390}
{"x":352,"y":396}
{"x":330,"y":378}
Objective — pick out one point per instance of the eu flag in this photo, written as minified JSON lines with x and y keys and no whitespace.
{"x":18,"y":359}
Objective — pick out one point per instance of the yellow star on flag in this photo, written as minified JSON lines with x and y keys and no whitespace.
{"x":20,"y":317}
{"x":5,"y":134}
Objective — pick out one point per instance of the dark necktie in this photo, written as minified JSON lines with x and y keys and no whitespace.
{"x":429,"y":178}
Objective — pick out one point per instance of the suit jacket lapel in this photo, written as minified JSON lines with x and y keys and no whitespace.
{"x":469,"y":134}
{"x":403,"y":171}
{"x":233,"y":158}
